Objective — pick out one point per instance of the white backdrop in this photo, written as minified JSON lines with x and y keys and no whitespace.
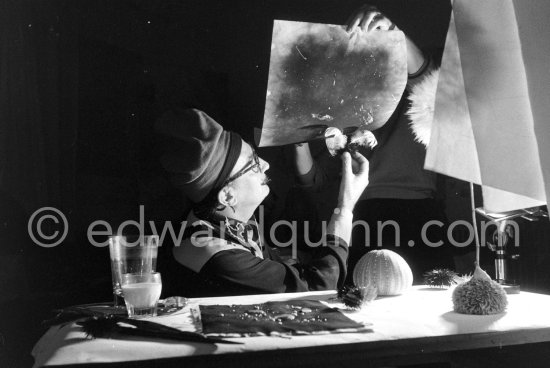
{"x":492,"y":108}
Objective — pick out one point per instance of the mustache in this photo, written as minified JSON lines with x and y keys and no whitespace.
{"x":266,"y":180}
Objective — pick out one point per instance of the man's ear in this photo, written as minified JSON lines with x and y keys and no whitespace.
{"x":226,"y":196}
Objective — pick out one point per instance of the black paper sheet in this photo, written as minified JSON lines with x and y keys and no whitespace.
{"x":298,"y":317}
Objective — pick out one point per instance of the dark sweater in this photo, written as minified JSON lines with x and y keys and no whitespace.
{"x":231,"y":265}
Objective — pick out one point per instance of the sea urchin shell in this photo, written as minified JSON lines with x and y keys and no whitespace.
{"x":480,"y":295}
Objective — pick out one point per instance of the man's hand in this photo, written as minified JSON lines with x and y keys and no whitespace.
{"x":354,"y":180}
{"x":368,"y":18}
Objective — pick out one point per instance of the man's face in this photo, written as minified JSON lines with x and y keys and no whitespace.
{"x":251,"y":185}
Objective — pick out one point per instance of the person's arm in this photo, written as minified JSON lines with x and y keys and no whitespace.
{"x":308,"y":174}
{"x":355,"y":178}
{"x":304,"y":161}
{"x":368,"y":18}
{"x":326,"y":270}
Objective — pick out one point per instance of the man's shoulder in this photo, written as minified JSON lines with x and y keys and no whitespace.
{"x":195,"y":251}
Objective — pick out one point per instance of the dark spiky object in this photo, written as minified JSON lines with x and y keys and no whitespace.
{"x":343,"y":291}
{"x":110,"y":326}
{"x":440,"y":278}
{"x":355,"y":297}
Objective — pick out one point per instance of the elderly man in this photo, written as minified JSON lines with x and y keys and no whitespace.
{"x":226,"y":181}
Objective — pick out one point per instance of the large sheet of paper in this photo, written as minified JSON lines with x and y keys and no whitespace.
{"x":322,"y":76}
{"x":484,"y":127}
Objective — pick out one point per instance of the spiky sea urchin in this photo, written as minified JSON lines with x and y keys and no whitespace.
{"x":440,"y":277}
{"x":355,"y":297}
{"x":480,"y":295}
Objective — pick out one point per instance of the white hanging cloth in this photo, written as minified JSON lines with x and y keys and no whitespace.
{"x":492,"y":107}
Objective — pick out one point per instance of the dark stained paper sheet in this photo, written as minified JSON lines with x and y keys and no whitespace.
{"x":322,"y":76}
{"x":296,"y":317}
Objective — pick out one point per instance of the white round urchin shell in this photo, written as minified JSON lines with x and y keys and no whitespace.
{"x":421,"y":111}
{"x":479,"y":296}
{"x":384,"y":269}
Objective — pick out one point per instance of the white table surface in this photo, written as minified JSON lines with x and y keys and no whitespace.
{"x":420,"y":313}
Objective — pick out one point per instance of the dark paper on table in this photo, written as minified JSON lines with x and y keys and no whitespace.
{"x":239,"y":320}
{"x":321,"y":76}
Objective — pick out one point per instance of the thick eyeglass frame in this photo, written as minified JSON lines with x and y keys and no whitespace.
{"x":255,"y":165}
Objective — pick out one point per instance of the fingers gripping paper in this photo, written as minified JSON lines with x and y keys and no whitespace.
{"x":483,"y":129}
{"x":321,"y":76}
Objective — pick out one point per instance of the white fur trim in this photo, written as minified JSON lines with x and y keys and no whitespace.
{"x":421,"y":111}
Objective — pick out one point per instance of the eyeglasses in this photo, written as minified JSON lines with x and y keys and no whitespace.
{"x":255,"y":165}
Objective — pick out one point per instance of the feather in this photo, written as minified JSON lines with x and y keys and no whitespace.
{"x":109,"y":326}
{"x":76,"y":312}
{"x":421,"y":111}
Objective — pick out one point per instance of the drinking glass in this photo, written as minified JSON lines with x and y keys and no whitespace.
{"x":141,"y":293}
{"x":131,"y":254}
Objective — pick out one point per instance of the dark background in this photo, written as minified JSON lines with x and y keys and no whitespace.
{"x":81,"y":85}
